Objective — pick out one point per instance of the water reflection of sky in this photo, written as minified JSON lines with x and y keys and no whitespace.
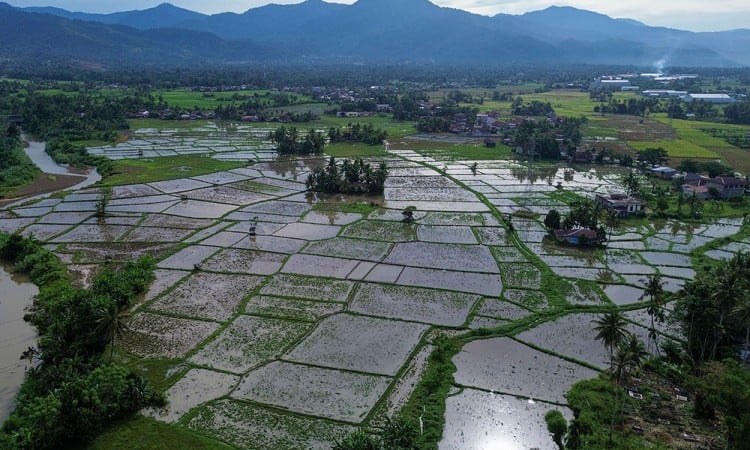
{"x":478,"y":420}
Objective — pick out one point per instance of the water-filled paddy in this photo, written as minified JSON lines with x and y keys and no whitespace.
{"x":342,"y":300}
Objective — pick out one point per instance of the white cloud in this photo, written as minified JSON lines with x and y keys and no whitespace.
{"x":688,"y":14}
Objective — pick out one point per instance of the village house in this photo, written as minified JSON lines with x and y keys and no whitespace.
{"x":700,"y":191}
{"x":694,"y":179}
{"x":728,"y":187}
{"x":623,"y":204}
{"x":664,"y":172}
{"x":459,"y":123}
{"x":582,"y":156}
{"x":581,"y":236}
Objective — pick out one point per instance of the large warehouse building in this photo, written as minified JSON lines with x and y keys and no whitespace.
{"x":719,"y":99}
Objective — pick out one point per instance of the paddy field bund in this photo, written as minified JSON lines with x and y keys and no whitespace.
{"x":323,"y":320}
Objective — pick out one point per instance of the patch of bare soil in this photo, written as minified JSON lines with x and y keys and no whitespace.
{"x":634,"y":128}
{"x":43,"y":184}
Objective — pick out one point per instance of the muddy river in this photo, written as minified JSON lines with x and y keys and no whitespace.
{"x":16,"y":293}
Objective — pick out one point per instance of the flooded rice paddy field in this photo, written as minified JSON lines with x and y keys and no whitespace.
{"x":322,"y":321}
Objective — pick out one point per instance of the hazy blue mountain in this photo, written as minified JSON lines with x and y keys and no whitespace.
{"x":269,"y":23}
{"x":393,"y":31}
{"x":165,"y":15}
{"x":33,"y":36}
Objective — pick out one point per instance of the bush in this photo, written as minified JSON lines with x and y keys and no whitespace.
{"x":71,"y":395}
{"x":63,"y":152}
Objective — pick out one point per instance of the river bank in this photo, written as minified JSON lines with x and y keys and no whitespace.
{"x":16,"y":335}
{"x":54,"y":178}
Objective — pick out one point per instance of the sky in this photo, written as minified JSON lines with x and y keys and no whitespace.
{"x":694,"y":15}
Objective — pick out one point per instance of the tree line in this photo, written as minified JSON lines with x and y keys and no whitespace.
{"x":16,"y":169}
{"x":349,"y":177}
{"x":73,"y":388}
{"x":356,"y":132}
{"x":713,"y":314}
{"x":290,"y":142}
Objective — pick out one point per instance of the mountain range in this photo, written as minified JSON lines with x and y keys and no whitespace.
{"x":366,"y":32}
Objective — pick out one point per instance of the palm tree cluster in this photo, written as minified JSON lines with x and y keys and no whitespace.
{"x":74,"y":390}
{"x":290,"y":142}
{"x":587,"y":214}
{"x":626,"y":351}
{"x":356,"y":132}
{"x":714,"y":310}
{"x":351,"y":177}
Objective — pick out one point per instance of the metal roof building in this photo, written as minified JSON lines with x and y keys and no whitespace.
{"x":711,"y":98}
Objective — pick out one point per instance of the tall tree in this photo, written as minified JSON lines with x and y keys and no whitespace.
{"x":112,"y":322}
{"x":727,"y":285}
{"x":741,"y":313}
{"x":632,"y":183}
{"x":655,"y":294}
{"x":612,"y":221}
{"x":629,"y":357}
{"x":610,"y":329}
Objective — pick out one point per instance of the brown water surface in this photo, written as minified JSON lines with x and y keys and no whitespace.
{"x":16,"y":293}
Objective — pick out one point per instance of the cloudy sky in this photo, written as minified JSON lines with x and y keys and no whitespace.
{"x":696,"y":15}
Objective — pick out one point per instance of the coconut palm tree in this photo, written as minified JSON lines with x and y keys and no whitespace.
{"x":741,"y":312}
{"x":112,"y":323}
{"x":630,"y":355}
{"x":612,"y":221}
{"x":728,"y":283}
{"x":656,"y":297}
{"x":610,"y":329}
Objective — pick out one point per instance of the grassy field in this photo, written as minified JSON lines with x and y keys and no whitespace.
{"x":565,"y":102}
{"x":186,"y":98}
{"x":572,"y":103}
{"x":679,"y":148}
{"x":166,"y":168}
{"x":597,"y":127}
{"x":486,"y":93}
{"x":342,"y":150}
{"x":145,"y":433}
{"x":165,"y":124}
{"x":470,"y":152}
{"x":396,"y":129}
{"x":692,"y":131}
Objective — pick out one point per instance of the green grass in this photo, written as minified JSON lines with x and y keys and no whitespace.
{"x":594,"y":128}
{"x":188,"y":99}
{"x":566,"y":102}
{"x":395,"y":128}
{"x":145,"y":433}
{"x":148,"y":170}
{"x":342,"y":150}
{"x":678,"y":148}
{"x":159,"y":124}
{"x":692,"y":131}
{"x":515,"y":89}
{"x":348,"y":207}
{"x":468,"y":152}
